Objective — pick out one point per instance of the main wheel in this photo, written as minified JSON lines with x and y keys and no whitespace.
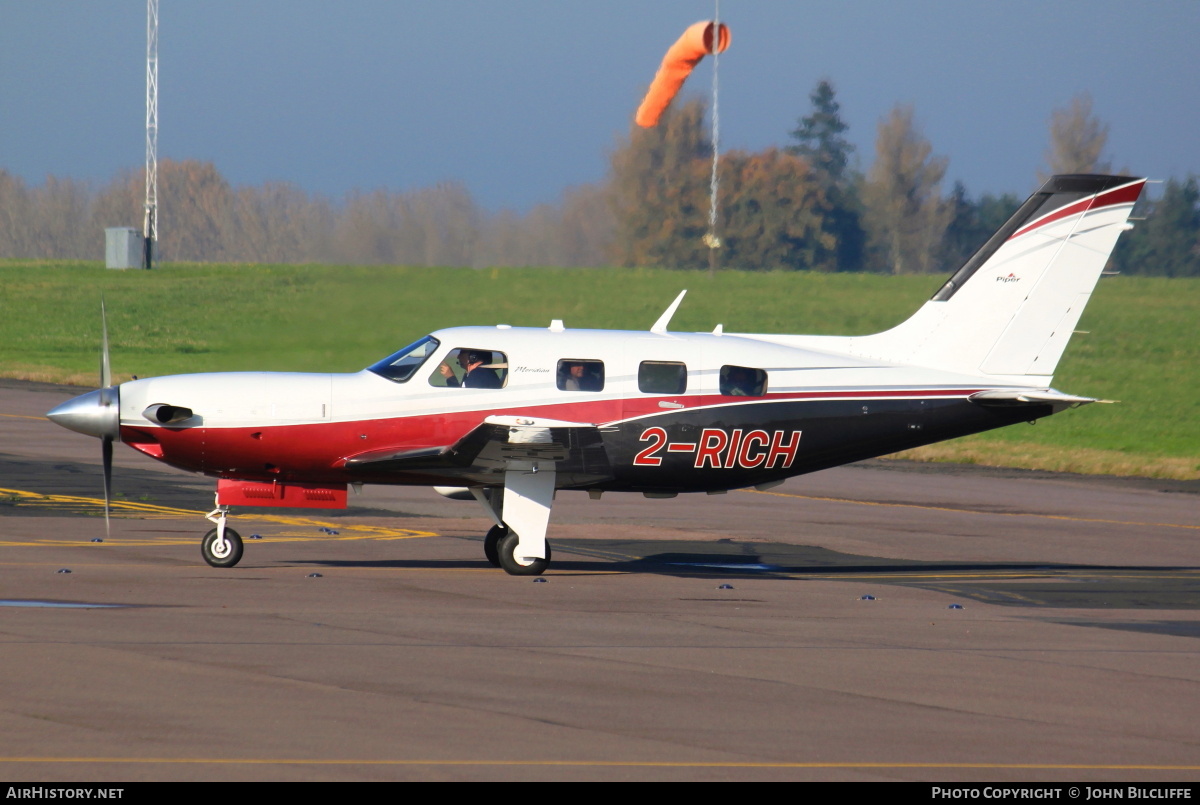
{"x":491,"y":541}
{"x":225,"y":554}
{"x":522,"y":567}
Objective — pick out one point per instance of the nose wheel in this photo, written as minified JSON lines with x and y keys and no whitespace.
{"x":222,"y":550}
{"x":222,"y":546}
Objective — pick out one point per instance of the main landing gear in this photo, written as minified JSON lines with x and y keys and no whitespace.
{"x":516,"y":563}
{"x":521,"y":513}
{"x":221,"y":547}
{"x":501,"y":547}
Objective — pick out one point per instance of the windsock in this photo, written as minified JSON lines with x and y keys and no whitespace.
{"x":676,"y":66}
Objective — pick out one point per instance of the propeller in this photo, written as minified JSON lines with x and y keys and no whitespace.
{"x":97,"y":413}
{"x":110,"y":396}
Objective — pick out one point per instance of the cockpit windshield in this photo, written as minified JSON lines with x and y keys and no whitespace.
{"x":403,"y":364}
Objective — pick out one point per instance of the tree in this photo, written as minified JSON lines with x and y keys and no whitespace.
{"x":1167,"y":243}
{"x":195,"y":211}
{"x":819,"y":137}
{"x":16,"y":226}
{"x":1077,"y":140}
{"x":773,"y":213}
{"x":119,"y":203}
{"x":279,"y":223}
{"x":972,"y":223}
{"x":46,"y":222}
{"x":820,"y":141}
{"x":660,"y":191}
{"x":903,"y":210}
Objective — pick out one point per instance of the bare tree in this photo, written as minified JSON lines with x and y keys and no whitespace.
{"x":60,"y":208}
{"x":904,"y":213}
{"x":16,"y":228}
{"x":204,"y":219}
{"x":119,"y":203}
{"x":585,"y":227}
{"x":278,"y":223}
{"x":195,"y":211}
{"x":46,"y":222}
{"x":1077,"y":140}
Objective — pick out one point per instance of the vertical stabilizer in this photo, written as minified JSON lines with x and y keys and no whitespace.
{"x":1010,"y":310}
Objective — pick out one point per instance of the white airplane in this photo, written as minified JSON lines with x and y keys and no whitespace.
{"x":508,"y":415}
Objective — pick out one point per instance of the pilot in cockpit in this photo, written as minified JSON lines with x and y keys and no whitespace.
{"x":477,"y":375}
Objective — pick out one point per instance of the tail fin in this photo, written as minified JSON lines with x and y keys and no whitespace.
{"x":1010,"y":310}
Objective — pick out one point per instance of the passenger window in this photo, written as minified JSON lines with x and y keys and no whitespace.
{"x":471,"y":369}
{"x":662,"y":377}
{"x":742,"y":381}
{"x":580,"y":375}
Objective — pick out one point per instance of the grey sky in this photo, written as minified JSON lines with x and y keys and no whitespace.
{"x":521,"y":99}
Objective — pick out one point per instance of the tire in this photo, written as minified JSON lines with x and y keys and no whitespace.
{"x":491,"y":541}
{"x":233,"y":551}
{"x":512,"y":567}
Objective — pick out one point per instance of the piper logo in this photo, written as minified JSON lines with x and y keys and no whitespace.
{"x":1010,"y":278}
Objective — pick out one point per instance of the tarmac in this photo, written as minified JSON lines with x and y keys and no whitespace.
{"x":882,"y":621}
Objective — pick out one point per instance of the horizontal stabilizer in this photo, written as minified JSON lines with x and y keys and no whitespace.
{"x":1011,"y":397}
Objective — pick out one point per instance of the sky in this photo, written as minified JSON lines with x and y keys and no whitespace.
{"x":521,"y":99}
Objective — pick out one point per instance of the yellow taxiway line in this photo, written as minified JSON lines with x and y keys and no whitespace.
{"x":150,"y":511}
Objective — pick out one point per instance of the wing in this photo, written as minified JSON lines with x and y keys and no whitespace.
{"x":497,"y":444}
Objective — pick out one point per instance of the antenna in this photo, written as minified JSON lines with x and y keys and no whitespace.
{"x":150,"y":225}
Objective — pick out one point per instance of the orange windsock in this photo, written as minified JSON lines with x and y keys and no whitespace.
{"x":676,"y":66}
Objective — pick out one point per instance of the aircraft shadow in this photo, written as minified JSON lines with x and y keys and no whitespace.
{"x":1025,"y":584}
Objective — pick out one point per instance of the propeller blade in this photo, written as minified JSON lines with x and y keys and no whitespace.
{"x":105,"y":366}
{"x":106,"y":452}
{"x":106,"y":441}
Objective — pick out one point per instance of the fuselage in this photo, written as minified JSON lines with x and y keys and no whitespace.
{"x":670,"y":412}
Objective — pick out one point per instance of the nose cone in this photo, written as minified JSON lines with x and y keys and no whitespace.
{"x":97,"y":413}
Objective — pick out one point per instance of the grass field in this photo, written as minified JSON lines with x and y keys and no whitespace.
{"x":1141,"y":347}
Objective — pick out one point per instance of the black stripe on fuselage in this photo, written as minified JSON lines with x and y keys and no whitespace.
{"x":685,"y":451}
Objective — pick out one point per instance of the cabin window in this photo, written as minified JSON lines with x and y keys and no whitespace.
{"x":742,"y":381}
{"x":662,"y":377}
{"x":469,"y":368}
{"x":402,"y":365}
{"x":580,"y":375}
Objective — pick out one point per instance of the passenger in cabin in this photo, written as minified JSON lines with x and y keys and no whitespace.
{"x":477,"y":375}
{"x":577,"y":376}
{"x":738,"y":381}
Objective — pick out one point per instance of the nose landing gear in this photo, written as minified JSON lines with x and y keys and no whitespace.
{"x":222,"y":546}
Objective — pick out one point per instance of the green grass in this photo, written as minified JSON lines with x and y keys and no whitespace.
{"x":1141,"y":349}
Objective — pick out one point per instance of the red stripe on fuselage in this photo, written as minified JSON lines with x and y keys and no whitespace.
{"x":316,"y":452}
